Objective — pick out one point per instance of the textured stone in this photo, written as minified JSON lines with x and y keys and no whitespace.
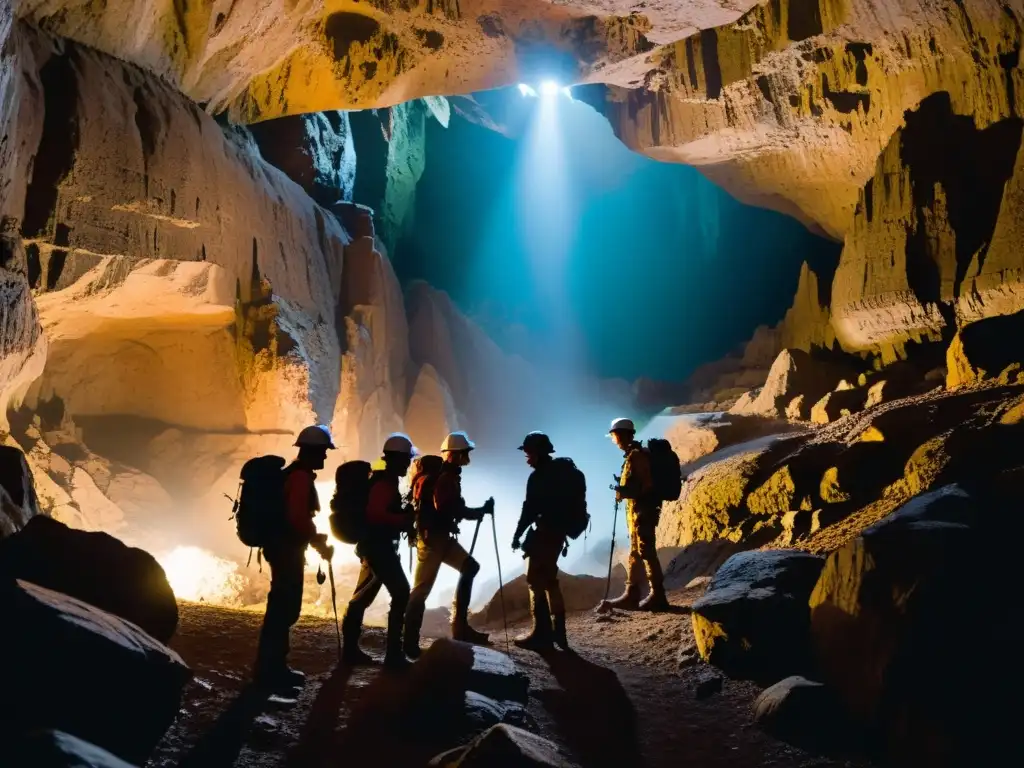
{"x":803,"y":713}
{"x":55,"y":749}
{"x":794,"y":373}
{"x":818,"y":490}
{"x":983,"y":351}
{"x":95,"y":568}
{"x":879,"y":621}
{"x":18,"y":500}
{"x":753,"y":621}
{"x":119,"y":688}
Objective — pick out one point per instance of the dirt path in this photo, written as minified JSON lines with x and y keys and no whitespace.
{"x":623,"y":700}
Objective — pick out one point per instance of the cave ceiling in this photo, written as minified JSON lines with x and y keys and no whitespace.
{"x":787,"y":103}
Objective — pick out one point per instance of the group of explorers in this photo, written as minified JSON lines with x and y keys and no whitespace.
{"x":369,"y":510}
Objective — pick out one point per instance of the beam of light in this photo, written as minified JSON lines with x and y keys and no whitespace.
{"x":550,"y":88}
{"x":526,"y":90}
{"x":567,"y":92}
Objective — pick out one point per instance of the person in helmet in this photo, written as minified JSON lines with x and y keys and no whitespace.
{"x":286,"y":558}
{"x":386,"y":519}
{"x":636,"y":485}
{"x":439,"y":508}
{"x":543,"y":545}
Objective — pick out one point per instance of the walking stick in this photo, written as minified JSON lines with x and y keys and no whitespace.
{"x":501,"y":590}
{"x":611,"y":552}
{"x":334,"y":602}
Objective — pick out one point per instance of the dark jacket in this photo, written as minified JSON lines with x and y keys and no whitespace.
{"x":545,"y":497}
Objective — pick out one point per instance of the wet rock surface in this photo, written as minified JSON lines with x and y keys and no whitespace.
{"x":55,"y":749}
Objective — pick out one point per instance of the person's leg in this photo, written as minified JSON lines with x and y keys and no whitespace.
{"x":541,"y":574}
{"x":284,"y":605}
{"x":367,"y":587}
{"x":388,"y":567}
{"x":428,"y":563}
{"x":629,"y":600}
{"x":647,"y":552}
{"x":458,"y":558}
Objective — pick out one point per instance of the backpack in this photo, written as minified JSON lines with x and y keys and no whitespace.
{"x":424,"y":480}
{"x":260,"y":509}
{"x":572,"y":485}
{"x":666,"y":470}
{"x":348,"y":505}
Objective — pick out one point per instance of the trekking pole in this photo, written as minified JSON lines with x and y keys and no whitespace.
{"x":501,"y":589}
{"x":476,"y":532}
{"x":611,"y":552}
{"x":334,"y":602}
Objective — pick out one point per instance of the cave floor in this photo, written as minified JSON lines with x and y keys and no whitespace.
{"x":622,"y":701}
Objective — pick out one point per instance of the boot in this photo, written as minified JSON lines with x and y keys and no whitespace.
{"x":394,"y":658}
{"x":281,"y":679}
{"x":540,"y":638}
{"x":627,"y":601}
{"x":460,"y":619}
{"x":411,"y":636}
{"x":559,"y":637}
{"x":656,"y":602}
{"x":351,"y":653}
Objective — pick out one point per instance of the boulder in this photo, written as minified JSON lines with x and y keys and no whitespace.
{"x":982,"y":351}
{"x":841,"y":402}
{"x":505,"y":746}
{"x":55,"y":749}
{"x":581,"y":593}
{"x":73,"y":667}
{"x":450,"y":666}
{"x":18,"y":503}
{"x":884,"y":620}
{"x":94,"y":567}
{"x":803,"y":713}
{"x":752,"y":623}
{"x":698,"y":561}
{"x":794,"y":373}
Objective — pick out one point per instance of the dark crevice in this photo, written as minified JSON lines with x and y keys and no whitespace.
{"x":34,"y":267}
{"x":55,"y":156}
{"x":54,"y":267}
{"x":691,"y":64}
{"x":343,"y":28}
{"x":709,"y":56}
{"x":844,"y":101}
{"x":971,"y":166}
{"x":804,"y":19}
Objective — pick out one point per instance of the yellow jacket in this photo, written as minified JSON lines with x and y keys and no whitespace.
{"x":636,"y":482}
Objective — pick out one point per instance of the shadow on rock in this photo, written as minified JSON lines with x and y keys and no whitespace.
{"x":222,"y":744}
{"x":593,"y":711}
{"x":319,"y":730}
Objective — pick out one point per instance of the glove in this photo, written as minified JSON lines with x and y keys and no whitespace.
{"x":516,"y":544}
{"x":489,"y":506}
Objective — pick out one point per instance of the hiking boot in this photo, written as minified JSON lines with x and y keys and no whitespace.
{"x":279,"y":679}
{"x":559,"y":636}
{"x":627,"y":601}
{"x":539,"y":639}
{"x":412,"y":651}
{"x":396,"y":660}
{"x":467,"y":634}
{"x":354,"y":656}
{"x":656,"y":602}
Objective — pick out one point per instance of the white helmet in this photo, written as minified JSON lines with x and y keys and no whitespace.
{"x":457,"y":441}
{"x":622,"y":425}
{"x":317,"y":436}
{"x":398,"y":442}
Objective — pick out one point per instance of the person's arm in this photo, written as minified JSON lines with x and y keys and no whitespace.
{"x":297,"y":489}
{"x":384,"y":507}
{"x":530,"y":510}
{"x":636,"y":482}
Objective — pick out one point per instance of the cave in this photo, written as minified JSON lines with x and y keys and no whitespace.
{"x":782,"y":238}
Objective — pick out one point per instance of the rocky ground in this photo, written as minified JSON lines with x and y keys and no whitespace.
{"x":626,"y":698}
